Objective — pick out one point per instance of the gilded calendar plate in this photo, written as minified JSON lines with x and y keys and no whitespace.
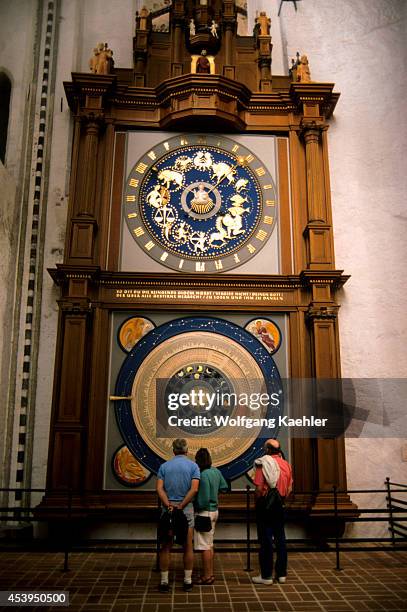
{"x":200,"y":353}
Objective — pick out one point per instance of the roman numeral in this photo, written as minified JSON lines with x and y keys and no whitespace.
{"x":149,"y":245}
{"x":268,"y":220}
{"x":218,"y":265}
{"x":141,"y":168}
{"x":270,"y":202}
{"x":138,"y":231}
{"x":249,"y":158}
{"x":260,"y":171}
{"x":152,"y":155}
{"x":132,"y":215}
{"x":261,"y":235}
{"x":134,"y":182}
{"x":164,"y":256}
{"x":130,"y":198}
{"x":251,"y":248}
{"x":200,"y":266}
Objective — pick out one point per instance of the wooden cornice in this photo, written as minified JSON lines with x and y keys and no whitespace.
{"x":335,"y":278}
{"x":63,"y":273}
{"x":181,"y":100}
{"x":320,"y":94}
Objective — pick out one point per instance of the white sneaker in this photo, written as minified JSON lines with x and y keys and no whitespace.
{"x":260,"y":580}
{"x":282,"y":579}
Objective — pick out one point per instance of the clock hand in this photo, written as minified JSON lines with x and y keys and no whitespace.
{"x":189,"y":189}
{"x":222,"y":179}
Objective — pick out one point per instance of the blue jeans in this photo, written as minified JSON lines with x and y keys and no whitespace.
{"x":269,"y":529}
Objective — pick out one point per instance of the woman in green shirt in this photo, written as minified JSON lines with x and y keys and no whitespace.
{"x":206,"y":504}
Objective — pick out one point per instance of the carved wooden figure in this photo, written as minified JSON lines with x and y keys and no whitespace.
{"x":264,"y":23}
{"x":202,"y":65}
{"x":214,"y":29}
{"x":303,"y":71}
{"x":105,"y":59}
{"x":93,"y":61}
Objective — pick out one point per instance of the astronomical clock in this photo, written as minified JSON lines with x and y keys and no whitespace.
{"x":199,"y":258}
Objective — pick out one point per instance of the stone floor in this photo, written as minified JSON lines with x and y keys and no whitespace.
{"x":126,"y":582}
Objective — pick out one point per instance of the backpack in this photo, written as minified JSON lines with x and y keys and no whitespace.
{"x":285,"y":479}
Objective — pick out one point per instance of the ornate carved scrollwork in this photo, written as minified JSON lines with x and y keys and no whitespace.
{"x":78,"y":307}
{"x":318,"y":312}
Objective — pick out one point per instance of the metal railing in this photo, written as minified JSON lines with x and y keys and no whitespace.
{"x":395,"y":514}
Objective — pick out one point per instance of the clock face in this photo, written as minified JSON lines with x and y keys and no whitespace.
{"x":200,"y":203}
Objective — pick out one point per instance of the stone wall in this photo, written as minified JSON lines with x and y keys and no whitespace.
{"x":359,"y":46}
{"x":362,"y":48}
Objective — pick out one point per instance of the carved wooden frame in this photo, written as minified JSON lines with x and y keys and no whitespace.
{"x":90,"y":280}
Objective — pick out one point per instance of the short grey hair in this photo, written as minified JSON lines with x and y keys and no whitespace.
{"x":180,"y":446}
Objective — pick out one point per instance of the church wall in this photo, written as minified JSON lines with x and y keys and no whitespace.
{"x":81,"y":27}
{"x":17,"y":60}
{"x":67,"y":54}
{"x":7,"y":248}
{"x":365,"y":57}
{"x":361,"y":47}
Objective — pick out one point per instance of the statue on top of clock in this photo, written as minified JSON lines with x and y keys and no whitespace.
{"x":202,"y":64}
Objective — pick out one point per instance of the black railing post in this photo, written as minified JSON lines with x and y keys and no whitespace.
{"x":68,"y":531}
{"x":389,"y":505}
{"x":248,"y":567}
{"x":337,"y":552}
{"x":157,"y":541}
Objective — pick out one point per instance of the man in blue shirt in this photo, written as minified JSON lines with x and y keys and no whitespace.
{"x":177,"y":485}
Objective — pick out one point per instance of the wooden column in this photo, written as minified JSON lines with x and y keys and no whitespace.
{"x":264,"y":61}
{"x":89,"y":163}
{"x":140,"y":50}
{"x":98,"y":399}
{"x":83,"y":222}
{"x":87,"y":167}
{"x":229,"y":25}
{"x":178,"y":23}
{"x":329,"y":467}
{"x":319,"y":230}
{"x":315,"y":191}
{"x":68,"y":426}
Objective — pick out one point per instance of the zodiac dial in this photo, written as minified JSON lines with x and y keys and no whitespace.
{"x":200,"y":203}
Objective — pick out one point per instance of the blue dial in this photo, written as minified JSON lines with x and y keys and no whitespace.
{"x":200,"y":204}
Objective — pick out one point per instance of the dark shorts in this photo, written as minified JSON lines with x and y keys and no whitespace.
{"x":188,"y":511}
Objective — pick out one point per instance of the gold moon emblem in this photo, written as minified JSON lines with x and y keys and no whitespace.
{"x":171,"y":358}
{"x":128,"y":469}
{"x":132,"y":331}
